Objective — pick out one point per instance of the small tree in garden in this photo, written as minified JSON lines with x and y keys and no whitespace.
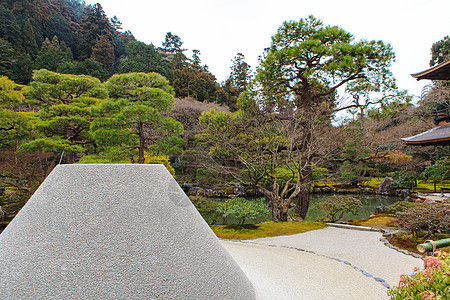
{"x":336,"y":206}
{"x":243,"y":209}
{"x":132,"y":119}
{"x":432,"y":282}
{"x":438,"y":172}
{"x":65,"y":103}
{"x":206,"y":208}
{"x":297,"y":84}
{"x":404,"y":179}
{"x":432,"y":218}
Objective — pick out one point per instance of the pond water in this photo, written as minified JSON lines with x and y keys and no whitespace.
{"x":369,"y":202}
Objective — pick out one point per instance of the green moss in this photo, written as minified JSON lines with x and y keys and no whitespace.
{"x":265,"y":229}
{"x":376,"y":221}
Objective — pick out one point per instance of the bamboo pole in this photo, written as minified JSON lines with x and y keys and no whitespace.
{"x":431,"y":246}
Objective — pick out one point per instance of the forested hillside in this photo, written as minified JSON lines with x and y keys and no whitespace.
{"x":70,"y":37}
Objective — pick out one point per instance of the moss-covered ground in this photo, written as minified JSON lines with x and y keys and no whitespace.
{"x":266,"y":229}
{"x":373,"y":184}
{"x":376,"y":221}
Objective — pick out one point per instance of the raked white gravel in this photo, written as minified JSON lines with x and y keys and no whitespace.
{"x":279,"y":268}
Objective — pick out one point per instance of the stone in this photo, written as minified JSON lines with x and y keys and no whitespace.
{"x":385,"y":284}
{"x":239,"y":190}
{"x":187,"y":186}
{"x":193,"y":191}
{"x":404,"y":193}
{"x":381,"y":209}
{"x":326,"y":189}
{"x":115,"y":232}
{"x":366,"y":190}
{"x":386,"y":186}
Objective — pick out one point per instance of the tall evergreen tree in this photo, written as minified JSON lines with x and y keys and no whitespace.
{"x":65,"y":31}
{"x":29,"y":40}
{"x":440,"y":51}
{"x":52,"y":55}
{"x":95,"y":24}
{"x":196,"y":61}
{"x":116,"y":24}
{"x":9,"y":27}
{"x":172,"y":44}
{"x":240,"y":75}
{"x":103,"y":52}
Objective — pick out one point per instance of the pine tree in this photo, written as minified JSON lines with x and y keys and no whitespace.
{"x":52,"y":55}
{"x":94,"y":25}
{"x":172,"y":44}
{"x":133,"y":119}
{"x":116,"y":24}
{"x":65,"y":103}
{"x":240,"y":74}
{"x":103,"y":52}
{"x":29,"y":39}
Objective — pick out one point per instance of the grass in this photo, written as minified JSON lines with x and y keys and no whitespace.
{"x":266,"y":229}
{"x":374,"y":182}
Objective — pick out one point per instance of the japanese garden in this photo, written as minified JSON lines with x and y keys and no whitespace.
{"x":316,"y":135}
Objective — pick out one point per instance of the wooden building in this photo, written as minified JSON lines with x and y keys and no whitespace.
{"x":439,"y":135}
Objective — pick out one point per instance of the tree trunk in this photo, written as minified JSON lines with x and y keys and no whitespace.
{"x":70,"y":157}
{"x":279,"y":211}
{"x":70,"y":135}
{"x":303,"y":197}
{"x":53,"y":164}
{"x":140,"y":127}
{"x":361,"y":108}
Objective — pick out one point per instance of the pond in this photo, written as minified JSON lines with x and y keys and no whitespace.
{"x":369,"y":202}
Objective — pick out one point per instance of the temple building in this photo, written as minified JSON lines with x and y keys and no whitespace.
{"x":439,"y":135}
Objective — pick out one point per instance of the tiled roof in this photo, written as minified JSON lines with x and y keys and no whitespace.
{"x":438,"y":72}
{"x":439,"y":135}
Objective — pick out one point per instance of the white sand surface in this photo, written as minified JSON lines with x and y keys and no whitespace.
{"x":280,"y":269}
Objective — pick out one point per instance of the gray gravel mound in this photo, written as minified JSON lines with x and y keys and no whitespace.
{"x":114,"y":232}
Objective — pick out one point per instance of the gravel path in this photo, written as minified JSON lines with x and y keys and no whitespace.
{"x":330,"y":263}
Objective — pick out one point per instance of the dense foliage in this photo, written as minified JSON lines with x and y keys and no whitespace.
{"x":431,"y":282}
{"x":336,"y":206}
{"x":431,"y":218}
{"x":243,"y":209}
{"x":71,"y":37}
{"x":75,"y":86}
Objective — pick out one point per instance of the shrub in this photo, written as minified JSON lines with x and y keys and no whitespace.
{"x":336,"y":206}
{"x":206,"y":208}
{"x":433,"y":218}
{"x":243,"y":209}
{"x":433,"y":282}
{"x":400,"y":206}
{"x":402,"y":179}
